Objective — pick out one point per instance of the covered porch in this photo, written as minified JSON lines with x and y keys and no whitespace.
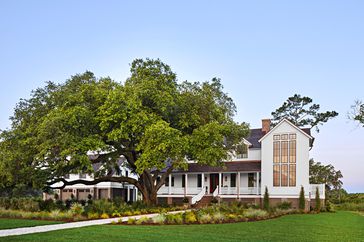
{"x":218,"y":184}
{"x":232,"y":180}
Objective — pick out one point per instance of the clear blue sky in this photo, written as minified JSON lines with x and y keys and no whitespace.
{"x":264,"y":52}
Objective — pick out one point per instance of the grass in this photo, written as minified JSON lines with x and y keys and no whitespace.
{"x":340,"y":226}
{"x":19,"y":223}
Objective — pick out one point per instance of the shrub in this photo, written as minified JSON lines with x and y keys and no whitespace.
{"x":284,"y":205}
{"x":159,"y":219}
{"x":76,"y":209}
{"x":302,"y":202}
{"x":255,"y":213}
{"x":214,"y":200}
{"x":218,"y":217}
{"x":317,"y":200}
{"x":190,"y":217}
{"x":55,"y":214}
{"x":185,"y":200}
{"x":92,"y":215}
{"x":266,"y":199}
{"x":329,"y":206}
{"x":131,"y":221}
{"x":60,"y":205}
{"x":104,"y":216}
{"x":142,"y":220}
{"x":101,"y":206}
{"x":204,"y":218}
{"x":47,"y":205}
{"x":174,"y":218}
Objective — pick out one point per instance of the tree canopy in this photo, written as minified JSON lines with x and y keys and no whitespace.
{"x":326,"y":174}
{"x":302,"y":112}
{"x":357,"y":112}
{"x":152,"y":120}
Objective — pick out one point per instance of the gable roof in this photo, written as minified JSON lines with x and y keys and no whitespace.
{"x":290,"y":123}
{"x":256,"y":135}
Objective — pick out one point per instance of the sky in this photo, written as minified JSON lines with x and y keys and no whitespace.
{"x":263,"y":51}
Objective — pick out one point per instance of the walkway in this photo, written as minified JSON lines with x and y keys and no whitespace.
{"x":52,"y":227}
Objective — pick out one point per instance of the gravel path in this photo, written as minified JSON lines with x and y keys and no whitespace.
{"x":52,"y":227}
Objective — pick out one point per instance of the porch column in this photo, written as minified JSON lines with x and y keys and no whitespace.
{"x":128,"y":195}
{"x":238,"y":185}
{"x":258,"y":185}
{"x":169,"y":184}
{"x":203,"y":181}
{"x":186,"y":184}
{"x":220,"y":180}
{"x":136,"y":194}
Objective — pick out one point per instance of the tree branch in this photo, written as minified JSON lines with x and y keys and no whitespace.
{"x":92,"y":182}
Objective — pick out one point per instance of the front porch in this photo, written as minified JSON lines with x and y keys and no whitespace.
{"x":223,"y":184}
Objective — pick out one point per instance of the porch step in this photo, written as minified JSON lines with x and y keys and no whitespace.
{"x":204,"y":202}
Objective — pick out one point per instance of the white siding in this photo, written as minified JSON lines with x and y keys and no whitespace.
{"x":302,"y":162}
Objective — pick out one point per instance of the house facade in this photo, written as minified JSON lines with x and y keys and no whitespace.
{"x":276,"y":159}
{"x":103,"y":190}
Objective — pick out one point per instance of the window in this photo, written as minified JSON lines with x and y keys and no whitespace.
{"x":183,"y":180}
{"x":166,"y":183}
{"x":284,"y":159}
{"x":292,"y":151}
{"x":67,"y":176}
{"x":82,"y":175}
{"x":126,"y":173}
{"x":292,"y":175}
{"x":172,"y":181}
{"x":241,"y":151}
{"x":199,"y":178}
{"x":250,"y":179}
{"x":276,"y":176}
{"x":232,"y":180}
{"x":284,"y":151}
{"x":276,"y":151}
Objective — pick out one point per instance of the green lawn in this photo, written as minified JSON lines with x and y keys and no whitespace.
{"x":340,"y":226}
{"x":18,"y":223}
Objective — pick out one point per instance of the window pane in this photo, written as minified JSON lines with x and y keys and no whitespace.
{"x":292,"y":136}
{"x":276,"y":151}
{"x":292,"y":151}
{"x":284,"y":152}
{"x":250,"y":179}
{"x":284,"y":136}
{"x":292,"y":175}
{"x":284,"y":177}
{"x":166,"y":183}
{"x":276,"y":175}
{"x":276,"y":137}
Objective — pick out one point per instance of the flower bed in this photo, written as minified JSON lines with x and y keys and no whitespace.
{"x":73,"y":210}
{"x":211,"y":215}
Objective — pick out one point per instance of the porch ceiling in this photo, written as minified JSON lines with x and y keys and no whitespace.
{"x":234,"y":166}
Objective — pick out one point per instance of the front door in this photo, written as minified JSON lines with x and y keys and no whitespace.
{"x":214,"y":182}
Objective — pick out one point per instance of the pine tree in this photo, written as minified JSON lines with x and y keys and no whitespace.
{"x":266,"y":200}
{"x":302,"y":201}
{"x":317,"y":200}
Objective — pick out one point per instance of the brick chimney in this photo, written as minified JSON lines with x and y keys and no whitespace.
{"x":265,"y":125}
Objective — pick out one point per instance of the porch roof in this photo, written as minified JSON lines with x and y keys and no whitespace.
{"x":233,"y":166}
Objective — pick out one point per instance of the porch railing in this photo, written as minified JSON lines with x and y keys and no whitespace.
{"x":216,"y":192}
{"x":242,"y":190}
{"x":198,"y":197}
{"x":179,"y":190}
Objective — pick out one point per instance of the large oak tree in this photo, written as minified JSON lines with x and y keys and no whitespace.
{"x":152,"y":120}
